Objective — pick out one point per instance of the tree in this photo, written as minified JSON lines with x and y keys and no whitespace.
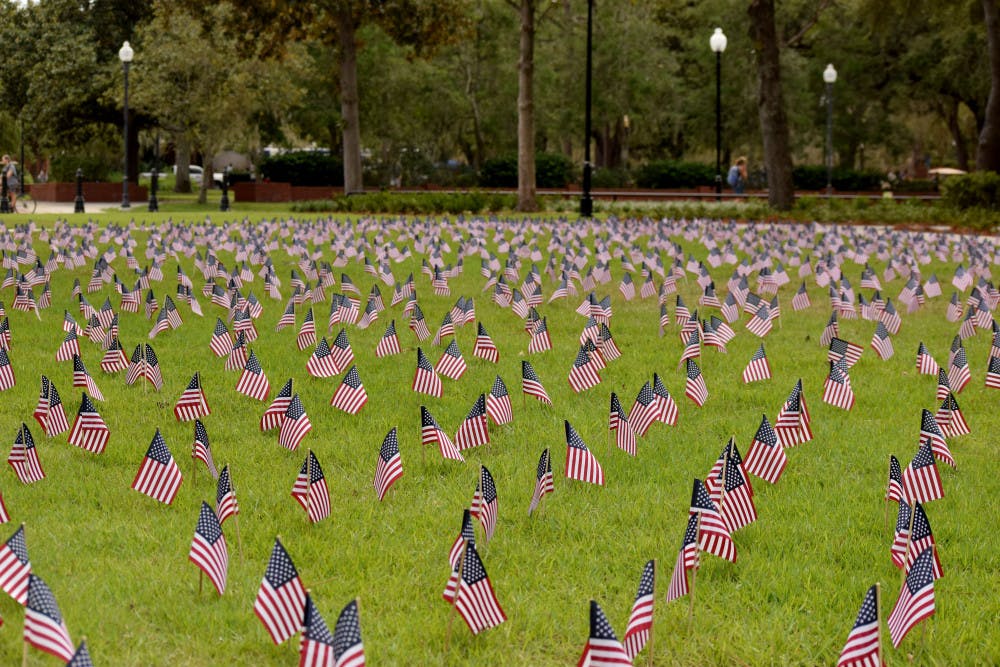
{"x":988,"y":152}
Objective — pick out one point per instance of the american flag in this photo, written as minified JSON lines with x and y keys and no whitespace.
{"x":931,"y":431}
{"x":734,"y":493}
{"x":992,"y":373}
{"x":225,"y":497}
{"x":619,"y":423}
{"x":472,"y":593}
{"x":89,"y":431}
{"x":543,"y":480}
{"x":644,"y":410}
{"x":864,"y":646}
{"x":583,"y":374}
{"x":341,"y":351}
{"x":44,"y":627}
{"x":287,"y":318}
{"x":425,"y":380}
{"x":760,"y":323}
{"x":49,"y":411}
{"x":943,"y":386}
{"x":958,"y":373}
{"x":69,"y":347}
{"x":666,"y":408}
{"x":237,"y":358}
{"x":900,"y":543}
{"x":389,"y":467}
{"x":432,"y":433}
{"x":603,"y":648}
{"x":713,"y":535}
{"x":350,"y":395}
{"x":307,"y":332}
{"x":925,"y":362}
{"x":322,"y":364}
{"x":950,"y":418}
{"x":918,"y":537}
{"x":201,"y":450}
{"x":473,"y":430}
{"x":310,"y":489}
{"x":581,"y":464}
{"x":114,"y":359}
{"x":801,"y":299}
{"x":152,"y":370}
{"x":208,"y":548}
{"x":498,"y":406}
{"x":253,"y":382}
{"x":758,"y":368}
{"x":484,"y":503}
{"x":692,"y":348}
{"x":921,"y":479}
{"x":192,"y":402}
{"x":846,"y":350}
{"x":281,"y":599}
{"x":881,"y":342}
{"x":531,"y":385}
{"x":465,"y":534}
{"x":916,"y":599}
{"x":23,"y":457}
{"x":540,"y":340}
{"x":275,"y":412}
{"x":159,"y":476}
{"x":766,"y":458}
{"x":418,"y":324}
{"x":687,"y":559}
{"x":294,"y":425}
{"x":81,"y":378}
{"x":831,"y":330}
{"x":484,"y":347}
{"x":451,"y":364}
{"x":348,"y":649}
{"x":894,"y":491}
{"x":82,"y":657}
{"x":15,"y":567}
{"x":316,"y":648}
{"x":370,"y":315}
{"x":695,"y":388}
{"x":640,"y":621}
{"x":837,"y":386}
{"x":388,"y":344}
{"x":446,"y":329}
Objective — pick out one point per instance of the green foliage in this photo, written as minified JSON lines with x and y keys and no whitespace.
{"x":813,"y":177}
{"x":978,"y":190}
{"x":610,"y":178}
{"x":97,"y":158}
{"x":412,"y":203}
{"x":551,"y":171}
{"x":304,"y":168}
{"x":666,"y":174}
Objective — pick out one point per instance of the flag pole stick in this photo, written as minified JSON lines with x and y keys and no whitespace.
{"x":694,"y":572}
{"x":878,"y":618}
{"x":649,"y":654}
{"x":309,"y":472}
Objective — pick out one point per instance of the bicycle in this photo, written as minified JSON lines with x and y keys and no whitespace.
{"x":25,"y":203}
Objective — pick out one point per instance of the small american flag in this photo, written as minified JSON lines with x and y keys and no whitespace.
{"x":687,"y":559}
{"x":389,"y":467}
{"x":695,"y":388}
{"x":316,"y":648}
{"x":465,"y":534}
{"x":644,"y":410}
{"x":81,"y":378}
{"x":451,"y":364}
{"x":350,"y":395}
{"x":950,"y":418}
{"x":49,"y":411}
{"x":341,"y":351}
{"x":581,"y":464}
{"x":281,"y":599}
{"x":619,"y":423}
{"x":766,"y":457}
{"x":531,"y":385}
{"x":23,"y":457}
{"x":881,"y":342}
{"x":225,"y":497}
{"x":916,"y":599}
{"x":473,"y":430}
{"x":192,"y":402}
{"x":666,"y":408}
{"x":253,"y":382}
{"x":543,"y":480}
{"x":159,"y":476}
{"x":89,"y":431}
{"x":603,"y":648}
{"x":310,"y":489}
{"x":640,"y":621}
{"x":498,"y":406}
{"x":307,"y":332}
{"x":348,"y":649}
{"x":837,"y":387}
{"x":322,"y":364}
{"x":15,"y":567}
{"x":484,"y":503}
{"x":583,"y":374}
{"x":152,"y":370}
{"x":275,"y":412}
{"x":388,"y":344}
{"x":237,"y":358}
{"x":425,"y":380}
{"x":201,"y":450}
{"x":82,"y":657}
{"x":713,"y":535}
{"x":931,"y":431}
{"x":484,"y":347}
{"x":294,"y":425}
{"x":925,"y":362}
{"x":44,"y":627}
{"x":758,"y":368}
{"x":921,"y":479}
{"x":863,"y":647}
{"x":474,"y":599}
{"x":540,"y":340}
{"x":69,"y":347}
{"x":894,"y":491}
{"x":432,"y":433}
{"x":846,"y":350}
{"x":208,"y":548}
{"x":958,"y":373}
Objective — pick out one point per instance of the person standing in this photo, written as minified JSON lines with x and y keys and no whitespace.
{"x":737,"y":176}
{"x":13,"y":180}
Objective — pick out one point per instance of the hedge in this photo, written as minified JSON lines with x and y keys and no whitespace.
{"x":304,"y":168}
{"x":551,"y":171}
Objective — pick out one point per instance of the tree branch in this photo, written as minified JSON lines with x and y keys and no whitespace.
{"x":822,"y":6}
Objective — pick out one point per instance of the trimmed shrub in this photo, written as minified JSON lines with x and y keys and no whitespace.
{"x":551,"y":171}
{"x":304,"y":168}
{"x":610,"y":178}
{"x":94,"y":167}
{"x":665,"y":174}
{"x":813,"y":177}
{"x":978,"y":190}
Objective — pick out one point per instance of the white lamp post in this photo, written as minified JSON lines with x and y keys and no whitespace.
{"x":125,"y":54}
{"x":830,"y":77}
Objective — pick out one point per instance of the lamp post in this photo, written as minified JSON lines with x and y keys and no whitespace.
{"x":718,"y":43}
{"x":125,"y":54}
{"x":586,"y":203}
{"x":830,"y":77}
{"x":154,"y":203}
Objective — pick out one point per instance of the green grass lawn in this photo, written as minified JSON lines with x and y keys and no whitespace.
{"x":117,"y":561}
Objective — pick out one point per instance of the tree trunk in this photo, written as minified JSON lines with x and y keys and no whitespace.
{"x":955,"y":127}
{"x":182,"y":178}
{"x":988,"y":153}
{"x":771,"y":105}
{"x":349,"y":101}
{"x":206,"y":176}
{"x":526,"y":200}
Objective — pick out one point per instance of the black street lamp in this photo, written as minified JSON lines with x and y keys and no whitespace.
{"x":718,"y":43}
{"x":586,"y":203}
{"x":125,"y":54}
{"x":154,"y":203}
{"x":830,"y":77}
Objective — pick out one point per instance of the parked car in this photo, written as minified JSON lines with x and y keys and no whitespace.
{"x":197,"y":173}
